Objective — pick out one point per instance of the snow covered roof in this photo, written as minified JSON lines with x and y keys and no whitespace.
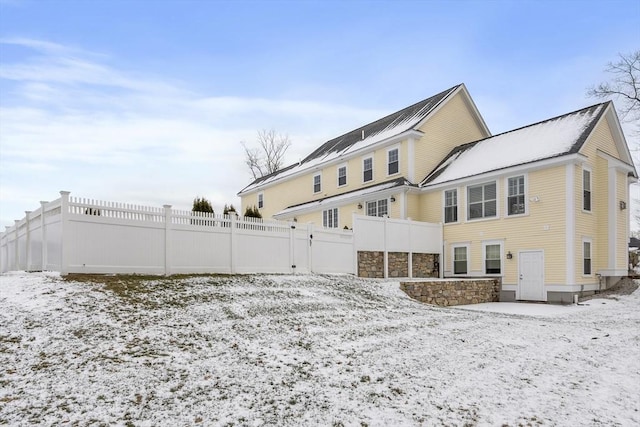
{"x":382,"y":129}
{"x":554,"y":137}
{"x":345,"y":197}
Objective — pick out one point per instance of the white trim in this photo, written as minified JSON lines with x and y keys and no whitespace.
{"x":346,"y":175}
{"x":512,"y":170}
{"x":615,"y":272}
{"x":588,"y":240}
{"x":587,"y":168}
{"x":613,"y":216}
{"x":519,"y":272}
{"x":444,"y":205}
{"x":373,"y":168}
{"x":340,"y":200}
{"x":485,"y":243}
{"x":615,"y":162}
{"x":313,"y":186}
{"x":467,"y":246}
{"x":570,"y":223}
{"x":618,"y":136}
{"x":411,"y":133}
{"x":497,"y":199}
{"x":525,"y":176}
{"x":335,"y":219}
{"x":411,"y":155}
{"x":389,"y":150}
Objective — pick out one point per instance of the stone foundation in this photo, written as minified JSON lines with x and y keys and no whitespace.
{"x":371,"y":264}
{"x":425,"y":265}
{"x":448,"y":292}
{"x":398,"y":264}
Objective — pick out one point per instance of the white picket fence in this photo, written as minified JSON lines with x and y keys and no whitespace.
{"x":73,"y":235}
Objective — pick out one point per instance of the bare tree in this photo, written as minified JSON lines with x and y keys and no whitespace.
{"x":624,"y":85}
{"x":268,"y":156}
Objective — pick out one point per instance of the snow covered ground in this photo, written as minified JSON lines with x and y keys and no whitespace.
{"x":304,"y":350}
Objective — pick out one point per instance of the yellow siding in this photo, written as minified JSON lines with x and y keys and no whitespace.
{"x":413,"y":207}
{"x":541,"y":228}
{"x":622,"y":250}
{"x":449,"y":127}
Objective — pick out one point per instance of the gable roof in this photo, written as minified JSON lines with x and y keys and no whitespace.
{"x":550,"y":138}
{"x":394,"y":124}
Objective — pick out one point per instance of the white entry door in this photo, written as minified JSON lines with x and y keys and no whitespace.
{"x":531,"y":276}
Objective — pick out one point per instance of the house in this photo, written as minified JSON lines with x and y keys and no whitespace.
{"x":544,"y":207}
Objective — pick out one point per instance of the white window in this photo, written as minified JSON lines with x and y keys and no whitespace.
{"x":342,"y":176}
{"x":317,"y":183}
{"x":460,"y":260}
{"x":367,"y":169}
{"x":586,"y":257}
{"x":515,"y":198}
{"x":260,"y":200}
{"x":377,"y":208}
{"x":330,"y":218}
{"x":492,"y":258}
{"x":481,"y":200}
{"x":393,"y":164}
{"x":451,"y":206}
{"x":586,"y":190}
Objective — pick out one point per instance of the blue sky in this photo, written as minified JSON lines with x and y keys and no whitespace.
{"x":147,"y":101}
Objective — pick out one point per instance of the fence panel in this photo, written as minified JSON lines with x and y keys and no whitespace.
{"x":75,"y":235}
{"x":333,"y":252}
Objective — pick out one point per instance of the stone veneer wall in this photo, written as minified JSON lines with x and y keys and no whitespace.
{"x":371,"y":264}
{"x":426,"y":265}
{"x":446,"y":292}
{"x":398,"y":264}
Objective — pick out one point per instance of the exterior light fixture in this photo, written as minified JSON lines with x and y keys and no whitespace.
{"x":393,"y":199}
{"x":359,"y":205}
{"x":623,"y":205}
{"x":509,"y":255}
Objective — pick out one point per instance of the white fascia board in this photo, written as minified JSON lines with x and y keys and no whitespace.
{"x":618,"y":136}
{"x":316,"y":206}
{"x":615,"y":162}
{"x":411,"y":133}
{"x":513,"y":170}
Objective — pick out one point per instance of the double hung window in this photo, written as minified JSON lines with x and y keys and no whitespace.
{"x":393,"y":164}
{"x":515,"y":199}
{"x":367,"y":169}
{"x":342,"y":176}
{"x":451,"y":206}
{"x":481,"y":200}
{"x":317,"y":183}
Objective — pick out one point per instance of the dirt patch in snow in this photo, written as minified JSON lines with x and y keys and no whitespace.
{"x":626,"y":286}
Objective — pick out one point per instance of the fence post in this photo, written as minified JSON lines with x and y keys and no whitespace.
{"x":27,"y":245}
{"x":167,"y":239}
{"x":64,"y":233}
{"x":234,"y":245}
{"x":292,"y":255}
{"x":44,"y":236}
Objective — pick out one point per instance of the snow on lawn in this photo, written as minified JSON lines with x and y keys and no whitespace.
{"x":303,"y":350}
